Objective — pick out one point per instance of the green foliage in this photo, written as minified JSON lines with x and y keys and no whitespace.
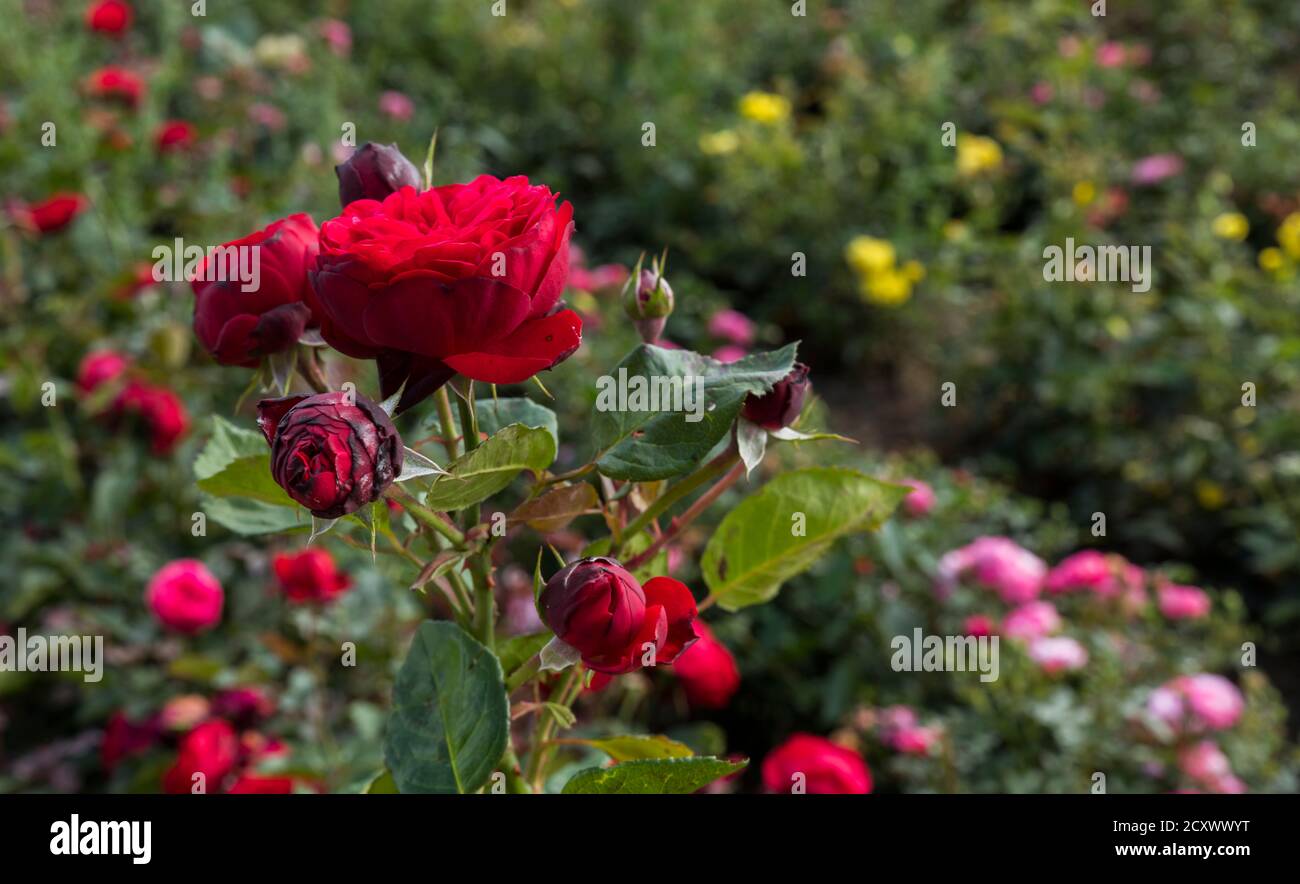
{"x":665,"y":776}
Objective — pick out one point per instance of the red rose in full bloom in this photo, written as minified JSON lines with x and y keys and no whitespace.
{"x":331,"y":456}
{"x":598,"y":607}
{"x":50,"y":215}
{"x":239,"y":327}
{"x":185,"y":596}
{"x":707,"y":671}
{"x":210,"y":749}
{"x":100,"y":367}
{"x":175,"y":135}
{"x":109,"y":17}
{"x":826,"y":769}
{"x":160,"y":409}
{"x":310,"y":576}
{"x":461,"y":278}
{"x":116,"y":84}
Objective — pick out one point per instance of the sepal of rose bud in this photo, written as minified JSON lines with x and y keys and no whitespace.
{"x":373,"y":172}
{"x":780,"y":406}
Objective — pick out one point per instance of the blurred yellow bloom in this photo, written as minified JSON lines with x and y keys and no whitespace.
{"x":719,"y":143}
{"x":869,"y":255}
{"x":1210,"y":494}
{"x":914,"y":271}
{"x":1288,"y":235}
{"x":977,"y":154}
{"x":954,"y":230}
{"x":1118,"y":327}
{"x":1231,"y":225}
{"x":764,"y":107}
{"x":1084,"y":193}
{"x":888,"y":289}
{"x":1271,"y":259}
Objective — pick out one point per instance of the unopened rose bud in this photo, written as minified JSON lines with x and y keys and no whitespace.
{"x":598,"y":607}
{"x":648,"y":301}
{"x":782,"y":404}
{"x":373,"y":172}
{"x":331,"y":456}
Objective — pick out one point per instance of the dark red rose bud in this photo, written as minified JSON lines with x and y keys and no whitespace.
{"x":373,"y":172}
{"x":249,"y":296}
{"x":330,"y":456}
{"x":598,"y":607}
{"x":782,"y":404}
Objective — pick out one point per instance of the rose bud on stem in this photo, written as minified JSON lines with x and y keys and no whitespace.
{"x":332,"y":452}
{"x":373,"y":172}
{"x":648,"y":298}
{"x":780,"y":406}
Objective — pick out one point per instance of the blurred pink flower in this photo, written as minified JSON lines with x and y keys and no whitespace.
{"x":998,"y":563}
{"x":1199,"y":702}
{"x":1041,"y":92}
{"x":920,"y":500}
{"x":396,"y":105}
{"x":1205,"y":763}
{"x":1156,"y":168}
{"x":596,"y":279}
{"x":732,"y":326}
{"x":1032,"y":620}
{"x":977,"y":625}
{"x":1182,"y":602}
{"x":729,"y":353}
{"x":1111,"y":54}
{"x":1058,"y":653}
{"x":338,"y":35}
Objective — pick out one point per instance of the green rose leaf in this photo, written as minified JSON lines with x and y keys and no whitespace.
{"x":234,"y":472}
{"x":478,"y":474}
{"x":780,"y":531}
{"x":641,"y":443}
{"x":497,"y":414}
{"x":450,"y":719}
{"x":638,"y":747}
{"x":518,"y":650}
{"x":660,"y":776}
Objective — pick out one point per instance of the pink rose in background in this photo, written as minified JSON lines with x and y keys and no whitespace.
{"x":977,"y":625}
{"x":396,"y":105}
{"x":1205,"y":763}
{"x":899,"y":729}
{"x":185,"y":596}
{"x":730,"y":353}
{"x":920,"y":500}
{"x":823,"y":767}
{"x":1182,"y":602}
{"x":1197,"y":702}
{"x":1156,"y":168}
{"x":606,"y":277}
{"x":1086,"y":569}
{"x":997,"y":563}
{"x":1031,"y":620}
{"x":1041,"y":93}
{"x":733,"y":327}
{"x":337,"y":35}
{"x":1058,"y":654}
{"x":1111,"y":54}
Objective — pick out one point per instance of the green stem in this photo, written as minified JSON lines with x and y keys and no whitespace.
{"x":428,"y":517}
{"x":673,"y":495}
{"x":447,"y":423}
{"x":526,"y":671}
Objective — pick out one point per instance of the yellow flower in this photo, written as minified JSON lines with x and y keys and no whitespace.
{"x":954,"y":230}
{"x":1210,"y":494}
{"x":1231,"y":225}
{"x":914,"y":271}
{"x":1084,"y":193}
{"x":764,"y":107}
{"x":1118,"y":327}
{"x":1288,"y":235}
{"x":719,"y":143}
{"x":868,"y":255}
{"x":977,"y":154}
{"x":1271,"y":259}
{"x":888,"y":289}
